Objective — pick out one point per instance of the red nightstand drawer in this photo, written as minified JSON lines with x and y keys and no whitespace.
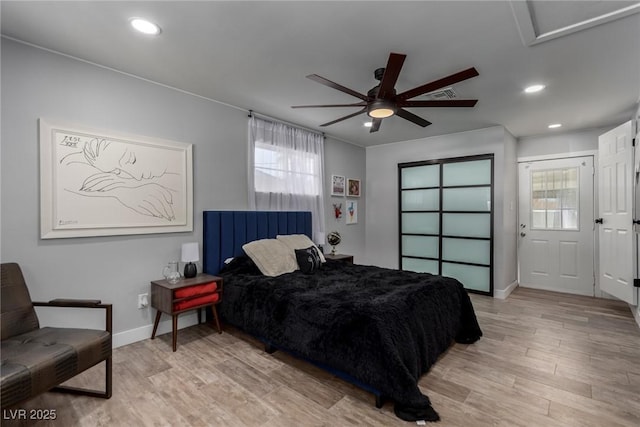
{"x":194,"y":302}
{"x":196,"y":290}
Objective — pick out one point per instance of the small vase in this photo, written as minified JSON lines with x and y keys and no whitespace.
{"x":190,"y":270}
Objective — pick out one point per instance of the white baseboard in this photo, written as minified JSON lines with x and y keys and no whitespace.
{"x":552,"y":289}
{"x":504,"y":293}
{"x":144,"y":332}
{"x":636,"y":312}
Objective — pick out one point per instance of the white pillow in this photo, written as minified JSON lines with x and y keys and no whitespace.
{"x":298,"y":241}
{"x":272,"y":257}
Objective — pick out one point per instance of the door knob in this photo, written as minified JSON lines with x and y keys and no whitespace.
{"x":522,"y":234}
{"x":598,"y":220}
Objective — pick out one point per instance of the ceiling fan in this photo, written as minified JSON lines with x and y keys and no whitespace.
{"x":382,"y":101}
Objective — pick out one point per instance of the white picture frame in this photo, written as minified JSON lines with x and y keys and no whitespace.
{"x":105,"y":183}
{"x":351,"y":212}
{"x":337,"y":185}
{"x":353,"y":187}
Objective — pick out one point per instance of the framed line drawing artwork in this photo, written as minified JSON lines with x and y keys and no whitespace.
{"x":337,"y":185}
{"x":103,"y":183}
{"x":353,"y":187}
{"x":352,"y":212}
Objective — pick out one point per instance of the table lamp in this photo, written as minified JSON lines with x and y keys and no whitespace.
{"x":190,"y":254}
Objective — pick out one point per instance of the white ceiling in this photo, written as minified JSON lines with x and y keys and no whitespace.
{"x":255,"y":55}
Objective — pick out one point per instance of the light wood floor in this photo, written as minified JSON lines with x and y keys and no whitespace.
{"x":546,"y":359}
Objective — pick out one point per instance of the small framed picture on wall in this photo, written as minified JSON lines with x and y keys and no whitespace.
{"x":352,"y":212}
{"x":337,"y":185}
{"x":353,"y":186}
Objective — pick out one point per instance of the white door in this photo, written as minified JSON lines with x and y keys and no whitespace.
{"x":556,"y":229}
{"x":615,"y":217}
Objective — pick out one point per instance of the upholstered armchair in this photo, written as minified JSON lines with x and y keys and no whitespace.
{"x":35,"y":359}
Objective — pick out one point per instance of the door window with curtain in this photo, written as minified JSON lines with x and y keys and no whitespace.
{"x":446,"y":219}
{"x":286,"y":170}
{"x":555,"y":199}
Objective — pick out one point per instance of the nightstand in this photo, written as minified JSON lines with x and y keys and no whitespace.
{"x":340,"y":257}
{"x":196,"y":293}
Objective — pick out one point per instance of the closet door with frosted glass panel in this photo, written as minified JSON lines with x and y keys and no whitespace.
{"x":420,"y":218}
{"x":446,"y":219}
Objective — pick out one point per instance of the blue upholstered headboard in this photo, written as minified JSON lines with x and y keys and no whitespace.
{"x":224,"y":232}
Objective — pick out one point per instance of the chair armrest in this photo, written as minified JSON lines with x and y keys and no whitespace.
{"x":81,"y":303}
{"x":66,"y":302}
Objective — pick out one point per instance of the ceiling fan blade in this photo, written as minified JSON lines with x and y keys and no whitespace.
{"x":357,"y":104}
{"x":440,"y":103}
{"x":437,"y":84}
{"x":412,"y":118}
{"x":344,"y":118}
{"x":322,"y":80}
{"x":375,"y":125}
{"x":391,"y":73}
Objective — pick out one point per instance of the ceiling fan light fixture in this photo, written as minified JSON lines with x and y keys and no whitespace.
{"x":381,"y":109}
{"x":383,"y":101}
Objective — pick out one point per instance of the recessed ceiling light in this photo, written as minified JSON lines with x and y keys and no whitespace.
{"x":368,"y":124}
{"x":145,"y":26}
{"x":534,"y":88}
{"x":555,"y":125}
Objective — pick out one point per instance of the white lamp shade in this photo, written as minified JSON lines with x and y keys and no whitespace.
{"x":190,"y":252}
{"x":320,"y":238}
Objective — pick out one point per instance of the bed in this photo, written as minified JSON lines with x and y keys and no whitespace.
{"x":378,"y":328}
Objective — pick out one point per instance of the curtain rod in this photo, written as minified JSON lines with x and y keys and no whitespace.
{"x":273,"y":119}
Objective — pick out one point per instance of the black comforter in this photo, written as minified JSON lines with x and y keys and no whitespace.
{"x":383,"y":327}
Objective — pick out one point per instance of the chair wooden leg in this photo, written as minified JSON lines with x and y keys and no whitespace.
{"x":108,"y":385}
{"x":108,"y":378}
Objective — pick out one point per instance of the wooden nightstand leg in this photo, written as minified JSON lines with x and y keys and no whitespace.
{"x":215,"y":316}
{"x":155,"y":324}
{"x":199,"y":316}
{"x":175,"y":331}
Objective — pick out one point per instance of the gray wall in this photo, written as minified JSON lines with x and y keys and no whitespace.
{"x":382,"y":190}
{"x":39,"y":84}
{"x":560,"y":143}
{"x":508,"y":182}
{"x":349,"y":161}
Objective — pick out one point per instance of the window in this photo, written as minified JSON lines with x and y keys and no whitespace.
{"x":283,"y":170}
{"x":286,"y":170}
{"x":554,"y":199}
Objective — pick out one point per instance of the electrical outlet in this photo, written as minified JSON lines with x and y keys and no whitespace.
{"x":143,"y":301}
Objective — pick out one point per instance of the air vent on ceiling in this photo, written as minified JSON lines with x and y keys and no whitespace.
{"x":441,"y":94}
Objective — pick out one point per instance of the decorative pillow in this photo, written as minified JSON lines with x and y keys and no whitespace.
{"x":299,"y":241}
{"x":308,"y":259}
{"x":241,"y":264}
{"x":271,"y":256}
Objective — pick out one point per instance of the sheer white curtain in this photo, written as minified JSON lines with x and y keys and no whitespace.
{"x":286,"y":170}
